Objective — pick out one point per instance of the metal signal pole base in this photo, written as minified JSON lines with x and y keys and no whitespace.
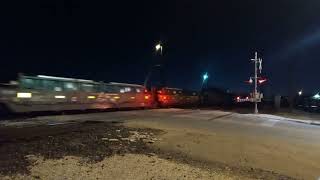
{"x":256,"y":108}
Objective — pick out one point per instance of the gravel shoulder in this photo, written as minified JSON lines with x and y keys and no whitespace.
{"x":128,"y":166}
{"x":92,"y":150}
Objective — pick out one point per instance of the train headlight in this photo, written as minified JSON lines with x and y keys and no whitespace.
{"x":24,"y":95}
{"x":91,"y":97}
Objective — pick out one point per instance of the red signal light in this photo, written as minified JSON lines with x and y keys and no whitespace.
{"x":262,"y":81}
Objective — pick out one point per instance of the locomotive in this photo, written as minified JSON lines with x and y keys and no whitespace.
{"x":50,"y":93}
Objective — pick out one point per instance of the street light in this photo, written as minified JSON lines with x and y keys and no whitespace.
{"x":300,"y":92}
{"x":159,"y":48}
{"x":205,"y":77}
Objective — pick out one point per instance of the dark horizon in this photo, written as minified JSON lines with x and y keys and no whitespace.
{"x":114,"y":41}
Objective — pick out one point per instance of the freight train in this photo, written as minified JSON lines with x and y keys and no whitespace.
{"x":49,"y":93}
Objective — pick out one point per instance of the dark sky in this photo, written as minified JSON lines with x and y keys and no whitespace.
{"x":114,"y":40}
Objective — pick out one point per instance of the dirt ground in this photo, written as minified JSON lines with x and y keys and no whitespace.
{"x":91,"y":140}
{"x":236,"y":155}
{"x":97,"y":150}
{"x":128,"y":166}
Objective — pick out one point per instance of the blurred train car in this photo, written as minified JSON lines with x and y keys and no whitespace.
{"x":48,"y":93}
{"x":174,"y":97}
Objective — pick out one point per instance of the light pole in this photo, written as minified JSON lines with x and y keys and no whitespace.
{"x":158,"y":49}
{"x":205,"y":78}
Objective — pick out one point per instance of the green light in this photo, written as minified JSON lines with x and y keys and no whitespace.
{"x":205,"y":76}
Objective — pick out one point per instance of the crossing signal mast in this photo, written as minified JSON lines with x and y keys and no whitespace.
{"x":256,"y":96}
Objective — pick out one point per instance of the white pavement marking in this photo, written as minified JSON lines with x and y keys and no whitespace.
{"x":202,"y":115}
{"x":207,"y":112}
{"x":190,"y":116}
{"x":274,"y":117}
{"x":269,"y":123}
{"x":249,"y":120}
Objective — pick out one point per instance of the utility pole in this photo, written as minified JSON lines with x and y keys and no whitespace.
{"x":205,"y":78}
{"x":255,"y":93}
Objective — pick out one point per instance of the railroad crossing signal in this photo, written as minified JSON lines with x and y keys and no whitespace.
{"x":257,"y":61}
{"x":260,"y":80}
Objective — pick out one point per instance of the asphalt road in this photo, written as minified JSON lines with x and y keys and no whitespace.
{"x":241,"y":140}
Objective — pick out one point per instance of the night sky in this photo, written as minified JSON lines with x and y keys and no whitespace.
{"x":114,"y":41}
